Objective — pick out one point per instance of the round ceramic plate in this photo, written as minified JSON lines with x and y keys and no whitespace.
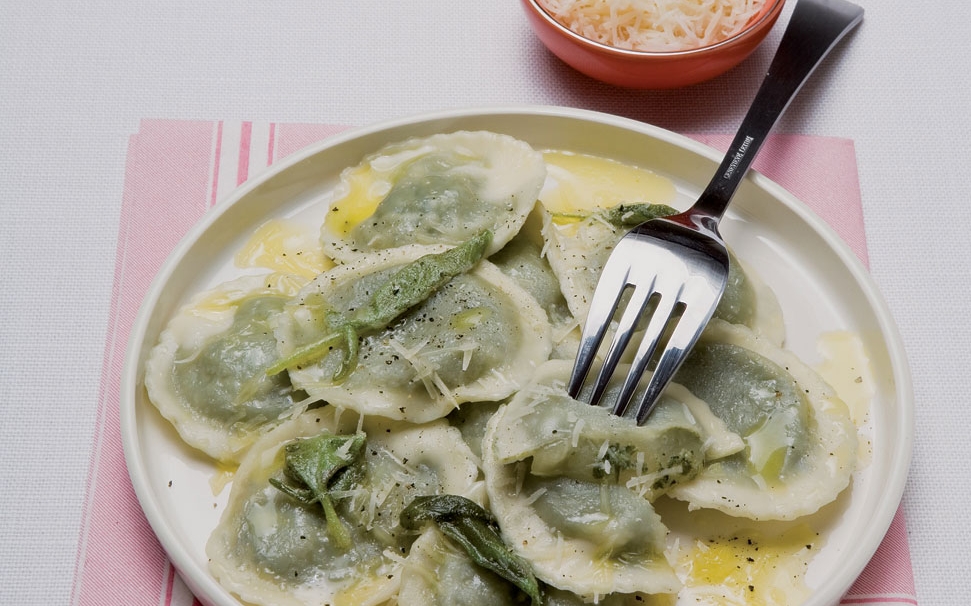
{"x":822,"y":287}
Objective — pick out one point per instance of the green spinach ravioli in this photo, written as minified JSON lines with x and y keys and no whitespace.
{"x":207,"y":373}
{"x":441,"y":189}
{"x":578,"y":247}
{"x":273,"y":548}
{"x":438,"y":572}
{"x":800,"y":443}
{"x":479,"y":337}
{"x":572,"y":485}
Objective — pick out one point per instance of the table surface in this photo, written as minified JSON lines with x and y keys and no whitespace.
{"x":76,"y":77}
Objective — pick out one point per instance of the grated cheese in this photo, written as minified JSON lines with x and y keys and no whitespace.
{"x":654,"y":25}
{"x":577,"y":429}
{"x":535,"y":496}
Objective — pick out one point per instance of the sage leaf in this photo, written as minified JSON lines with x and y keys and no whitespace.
{"x":403,"y":290}
{"x":624,"y":215}
{"x":629,"y":215}
{"x":418,"y":280}
{"x":308,"y":353}
{"x":311,"y":468}
{"x":477,"y":532}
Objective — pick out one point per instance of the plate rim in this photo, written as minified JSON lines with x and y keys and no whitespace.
{"x":204,"y":585}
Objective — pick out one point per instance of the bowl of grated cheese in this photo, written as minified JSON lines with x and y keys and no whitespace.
{"x":652,"y":44}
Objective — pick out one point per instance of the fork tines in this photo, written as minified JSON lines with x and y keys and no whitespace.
{"x":671,"y":305}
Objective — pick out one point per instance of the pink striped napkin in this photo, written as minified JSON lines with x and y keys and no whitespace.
{"x":176,"y":170}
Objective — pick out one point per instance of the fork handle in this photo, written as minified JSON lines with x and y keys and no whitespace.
{"x":814,"y":28}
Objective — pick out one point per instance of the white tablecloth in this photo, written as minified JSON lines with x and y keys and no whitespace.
{"x":77,"y":77}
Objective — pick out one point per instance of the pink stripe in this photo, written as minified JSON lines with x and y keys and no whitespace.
{"x":880,"y":600}
{"x":215,"y":163}
{"x":293,"y":137}
{"x":889,"y":572}
{"x":245,"y":138}
{"x":269,"y":147}
{"x":169,"y":585}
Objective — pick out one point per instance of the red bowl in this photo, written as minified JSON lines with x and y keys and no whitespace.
{"x":647,"y":69}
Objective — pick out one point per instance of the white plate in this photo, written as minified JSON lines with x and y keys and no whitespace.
{"x":820,"y":283}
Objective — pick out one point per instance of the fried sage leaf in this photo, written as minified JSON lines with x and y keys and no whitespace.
{"x":314,"y":467}
{"x":629,"y":215}
{"x":477,"y":531}
{"x":404,"y":289}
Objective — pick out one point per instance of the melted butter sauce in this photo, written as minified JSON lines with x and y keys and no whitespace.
{"x":733,"y":561}
{"x":224,"y":301}
{"x":846,"y":367}
{"x":749,"y":567}
{"x":578,"y":183}
{"x":221,"y":477}
{"x":284,"y":246}
{"x":360,"y":193}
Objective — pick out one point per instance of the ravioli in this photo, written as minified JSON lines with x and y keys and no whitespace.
{"x":571,"y":485}
{"x":523,"y":260}
{"x":565,"y":437}
{"x":577,"y":250}
{"x":478,"y":338}
{"x":440,"y":189}
{"x":272,"y":549}
{"x":207,"y":373}
{"x":437,"y":572}
{"x":800,"y":443}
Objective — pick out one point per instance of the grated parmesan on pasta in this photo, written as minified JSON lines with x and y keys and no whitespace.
{"x":654,"y":25}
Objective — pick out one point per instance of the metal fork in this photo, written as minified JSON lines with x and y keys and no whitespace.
{"x":672,"y":271}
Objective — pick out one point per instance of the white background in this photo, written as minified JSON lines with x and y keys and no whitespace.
{"x":76,"y":77}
